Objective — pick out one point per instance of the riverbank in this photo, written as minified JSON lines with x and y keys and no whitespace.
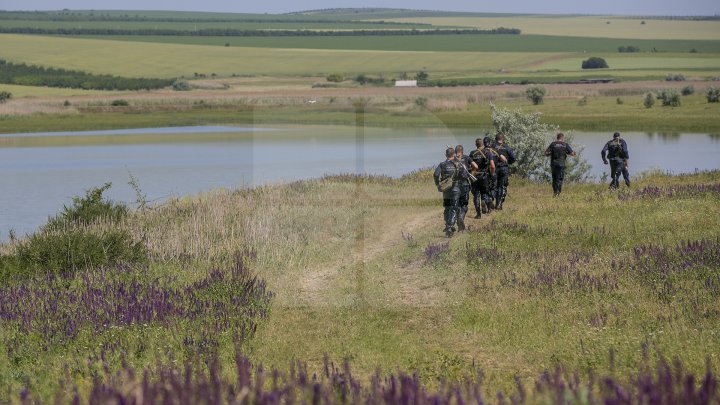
{"x":601,"y":107}
{"x":359,"y":270}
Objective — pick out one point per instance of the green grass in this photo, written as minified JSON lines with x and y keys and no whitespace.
{"x":586,"y":26}
{"x":440,"y":43}
{"x":347,"y":283}
{"x":31,"y":91}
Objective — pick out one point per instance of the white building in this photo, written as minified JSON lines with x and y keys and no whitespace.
{"x":406,"y":83}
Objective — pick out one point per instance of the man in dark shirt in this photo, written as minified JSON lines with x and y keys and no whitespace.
{"x":506,"y":158}
{"x":485,"y":163}
{"x":558,"y":151}
{"x":617,"y":154}
{"x":464,"y":184}
{"x":449,"y":169}
{"x":492,"y":179}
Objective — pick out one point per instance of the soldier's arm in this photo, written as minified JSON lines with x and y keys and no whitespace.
{"x":603,"y":152}
{"x":569,"y":150}
{"x":436,"y":175}
{"x":625,"y":149}
{"x":511,"y":154}
{"x":474,"y":165}
{"x":547,"y":151}
{"x":492,"y":167}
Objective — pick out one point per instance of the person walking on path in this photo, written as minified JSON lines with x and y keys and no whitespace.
{"x":617,"y":153}
{"x":506,"y":158}
{"x":447,"y":178}
{"x":558,"y":151}
{"x":464,"y":184}
{"x":485,"y":162}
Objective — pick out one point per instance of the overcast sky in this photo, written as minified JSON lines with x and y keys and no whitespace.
{"x":632,"y":7}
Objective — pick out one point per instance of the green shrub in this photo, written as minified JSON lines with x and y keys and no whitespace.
{"x":181,"y":85}
{"x":335,"y":78}
{"x":688,"y":90}
{"x":88,"y":209}
{"x":670,"y":98}
{"x":119,"y":103}
{"x":628,"y":49}
{"x":535,"y":94}
{"x":713,"y":95}
{"x":70,"y":250}
{"x":675,"y":78}
{"x":649,"y":100}
{"x":594,"y":63}
{"x":5,"y":96}
{"x":619,"y":101}
{"x":421,"y":76}
{"x":421,"y":101}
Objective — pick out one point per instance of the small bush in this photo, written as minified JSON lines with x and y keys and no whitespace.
{"x":67,"y":251}
{"x":421,"y":101}
{"x":628,"y":49}
{"x":675,"y":78}
{"x":119,"y":103}
{"x":66,"y":103}
{"x":181,"y":85}
{"x":335,"y":78}
{"x":535,"y":94}
{"x":713,"y":95}
{"x":582,"y":101}
{"x":619,"y":101}
{"x":594,"y":63}
{"x":670,"y":98}
{"x":5,"y":96}
{"x":88,"y":209}
{"x":649,"y":100}
{"x":688,"y":90}
{"x":421,"y":76}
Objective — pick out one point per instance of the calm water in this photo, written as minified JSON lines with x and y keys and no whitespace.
{"x":41,"y":172}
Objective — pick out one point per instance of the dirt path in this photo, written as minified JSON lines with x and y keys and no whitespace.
{"x":316,"y":285}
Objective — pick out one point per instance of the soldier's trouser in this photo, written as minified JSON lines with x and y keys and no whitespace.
{"x":616,"y":168}
{"x":558,"y":175}
{"x":463,"y":202}
{"x":451,"y":202}
{"x":626,"y":175}
{"x":503,"y":179}
{"x":480,"y":192}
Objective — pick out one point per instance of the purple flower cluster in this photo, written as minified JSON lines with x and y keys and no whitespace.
{"x":679,"y":191}
{"x":686,"y":256}
{"x":59,"y":307}
{"x":568,"y":278}
{"x":494,"y":225}
{"x":434,"y":250}
{"x":197,"y":384}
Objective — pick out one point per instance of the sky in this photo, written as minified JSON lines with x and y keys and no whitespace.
{"x":616,"y":7}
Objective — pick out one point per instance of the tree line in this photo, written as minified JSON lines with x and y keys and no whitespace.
{"x":32,"y":75}
{"x":230,"y":32}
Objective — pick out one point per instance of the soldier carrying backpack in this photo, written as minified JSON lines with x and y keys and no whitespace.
{"x":617,"y":154}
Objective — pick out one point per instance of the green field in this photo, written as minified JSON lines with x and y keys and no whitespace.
{"x":438,"y":43}
{"x":139,"y":59}
{"x":576,"y":26}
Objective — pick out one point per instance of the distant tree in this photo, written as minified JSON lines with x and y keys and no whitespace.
{"x":688,"y":90}
{"x":649,"y":100}
{"x":594,"y":63}
{"x":181,"y":85}
{"x":422,"y":76}
{"x":628,"y":49}
{"x":677,"y":77}
{"x":670,"y":97}
{"x":119,"y":103}
{"x":535,"y":94}
{"x":335,"y":78}
{"x":713,"y":95}
{"x":5,"y":96}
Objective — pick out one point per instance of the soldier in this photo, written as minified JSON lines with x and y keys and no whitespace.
{"x":447,"y":176}
{"x":506,"y":158}
{"x":558,"y":152}
{"x":492,"y":180}
{"x":485,"y":163}
{"x":464,"y":184}
{"x":618,"y":155}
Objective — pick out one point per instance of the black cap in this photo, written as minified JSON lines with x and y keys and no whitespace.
{"x":616,"y":135}
{"x":487,"y":141}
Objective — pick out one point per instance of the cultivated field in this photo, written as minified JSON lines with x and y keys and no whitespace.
{"x":597,"y":26}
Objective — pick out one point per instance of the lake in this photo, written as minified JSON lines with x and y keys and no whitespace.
{"x":41,"y":172}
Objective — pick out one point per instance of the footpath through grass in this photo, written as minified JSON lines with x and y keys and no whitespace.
{"x":359,"y":269}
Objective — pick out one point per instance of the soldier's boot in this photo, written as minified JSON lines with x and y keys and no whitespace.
{"x":461,"y":218}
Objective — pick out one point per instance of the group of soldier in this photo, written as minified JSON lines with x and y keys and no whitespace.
{"x":485,"y":173}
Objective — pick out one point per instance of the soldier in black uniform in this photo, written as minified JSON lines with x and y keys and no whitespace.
{"x":506,"y":158}
{"x":492,"y":180}
{"x":558,"y":152}
{"x":464,"y":184}
{"x":450,"y":171}
{"x":618,"y":155}
{"x":485,"y":162}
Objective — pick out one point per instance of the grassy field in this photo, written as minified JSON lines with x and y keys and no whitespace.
{"x":440,"y":43}
{"x":596,"y":26}
{"x":135,"y":59}
{"x":360,"y":270}
{"x":569,"y":106}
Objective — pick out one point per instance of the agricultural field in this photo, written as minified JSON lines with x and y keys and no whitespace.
{"x":593,"y":27}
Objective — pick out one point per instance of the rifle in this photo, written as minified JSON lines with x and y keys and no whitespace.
{"x":472,"y":178}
